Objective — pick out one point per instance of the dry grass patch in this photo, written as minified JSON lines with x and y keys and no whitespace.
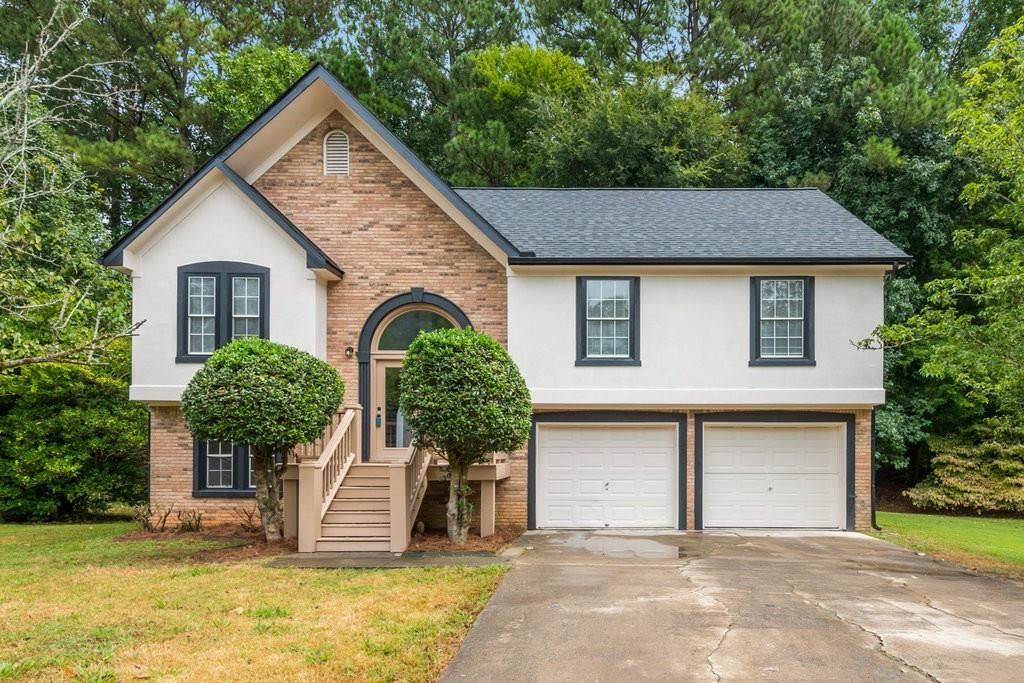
{"x":76,"y":604}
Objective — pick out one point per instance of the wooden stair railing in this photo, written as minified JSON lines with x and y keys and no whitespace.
{"x":408,"y":488}
{"x":320,"y":478}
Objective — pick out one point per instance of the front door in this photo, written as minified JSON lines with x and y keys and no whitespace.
{"x":390,"y":434}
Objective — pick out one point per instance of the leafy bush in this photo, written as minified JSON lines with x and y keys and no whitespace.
{"x":267,"y":395}
{"x":70,"y":443}
{"x":987,"y":476}
{"x":463,"y":396}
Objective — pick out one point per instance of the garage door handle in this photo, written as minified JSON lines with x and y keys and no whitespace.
{"x":769,"y":488}
{"x":606,"y":486}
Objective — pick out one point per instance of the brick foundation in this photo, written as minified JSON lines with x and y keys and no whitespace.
{"x":170,"y":471}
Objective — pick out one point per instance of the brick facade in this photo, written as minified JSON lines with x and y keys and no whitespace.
{"x":389,"y":237}
{"x":170,"y":471}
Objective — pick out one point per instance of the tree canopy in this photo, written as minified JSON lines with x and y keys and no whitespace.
{"x":907,"y":112}
{"x":463,"y":396}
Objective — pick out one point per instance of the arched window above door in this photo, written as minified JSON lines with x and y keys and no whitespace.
{"x":404,"y":327}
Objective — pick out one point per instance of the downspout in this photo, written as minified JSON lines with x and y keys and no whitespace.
{"x":874,"y":497}
{"x":149,"y":457}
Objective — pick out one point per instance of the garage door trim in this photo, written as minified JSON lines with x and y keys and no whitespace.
{"x":607,"y":417}
{"x":775,"y":417}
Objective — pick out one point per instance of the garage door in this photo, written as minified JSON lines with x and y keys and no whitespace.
{"x":773,"y":476}
{"x":593,"y":476}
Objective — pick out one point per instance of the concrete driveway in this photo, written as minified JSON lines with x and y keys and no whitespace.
{"x":605,"y":606}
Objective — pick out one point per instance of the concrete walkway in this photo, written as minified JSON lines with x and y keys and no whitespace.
{"x":379,"y":560}
{"x":605,"y":606}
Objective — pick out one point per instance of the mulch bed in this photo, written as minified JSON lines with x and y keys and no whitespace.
{"x":244,"y":545}
{"x":437,"y":541}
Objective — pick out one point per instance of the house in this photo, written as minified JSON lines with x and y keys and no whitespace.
{"x":689,"y":352}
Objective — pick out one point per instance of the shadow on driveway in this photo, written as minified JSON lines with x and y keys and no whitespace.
{"x":738,"y":606}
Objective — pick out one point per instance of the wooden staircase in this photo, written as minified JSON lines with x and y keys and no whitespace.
{"x":359,"y":517}
{"x":342,"y":504}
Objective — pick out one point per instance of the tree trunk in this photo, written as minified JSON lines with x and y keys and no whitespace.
{"x":459,"y":509}
{"x":268,"y":498}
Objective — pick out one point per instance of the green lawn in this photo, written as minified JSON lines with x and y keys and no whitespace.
{"x":76,"y":604}
{"x":976,"y":542}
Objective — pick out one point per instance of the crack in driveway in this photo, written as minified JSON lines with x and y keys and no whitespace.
{"x":881,"y":646}
{"x":739,"y":607}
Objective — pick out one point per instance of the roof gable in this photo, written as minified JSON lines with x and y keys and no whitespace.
{"x":427,"y":179}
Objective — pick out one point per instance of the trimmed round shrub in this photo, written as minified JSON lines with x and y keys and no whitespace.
{"x":463,"y":396}
{"x":269,"y":396}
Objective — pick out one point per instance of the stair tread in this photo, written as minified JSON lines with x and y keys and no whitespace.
{"x":356,"y":524}
{"x":354,"y":539}
{"x":356,"y":512}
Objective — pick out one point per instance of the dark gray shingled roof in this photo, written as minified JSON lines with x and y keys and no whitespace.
{"x":679,"y":225}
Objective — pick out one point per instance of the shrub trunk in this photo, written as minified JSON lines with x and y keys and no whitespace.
{"x":268,"y":498}
{"x":459,"y":509}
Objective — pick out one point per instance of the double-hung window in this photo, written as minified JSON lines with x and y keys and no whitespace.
{"x":217,"y":302}
{"x":607,"y":321}
{"x":222,"y":469}
{"x":782,"y":321}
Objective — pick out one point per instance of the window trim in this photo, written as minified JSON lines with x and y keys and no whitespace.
{"x":239,"y":473}
{"x":634,"y":322}
{"x":222,"y":272}
{"x":188,"y":315}
{"x":755,"y":323}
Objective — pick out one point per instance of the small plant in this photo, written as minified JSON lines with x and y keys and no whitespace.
{"x":249,"y":519}
{"x":315,"y":655}
{"x":152,"y":519}
{"x":267,"y":612}
{"x":190,"y":520}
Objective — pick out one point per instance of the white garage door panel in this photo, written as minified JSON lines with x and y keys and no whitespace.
{"x":773,"y":476}
{"x":606,"y":476}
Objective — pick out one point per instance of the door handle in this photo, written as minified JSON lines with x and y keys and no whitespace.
{"x":376,"y":420}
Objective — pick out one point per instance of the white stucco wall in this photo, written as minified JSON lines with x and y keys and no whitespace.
{"x":220,"y":225}
{"x":695,"y":344}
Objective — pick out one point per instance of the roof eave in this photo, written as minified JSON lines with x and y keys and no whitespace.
{"x":113,"y":257}
{"x":316,"y":258}
{"x":708,"y":261}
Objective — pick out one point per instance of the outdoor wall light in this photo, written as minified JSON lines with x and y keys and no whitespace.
{"x":349,"y":351}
